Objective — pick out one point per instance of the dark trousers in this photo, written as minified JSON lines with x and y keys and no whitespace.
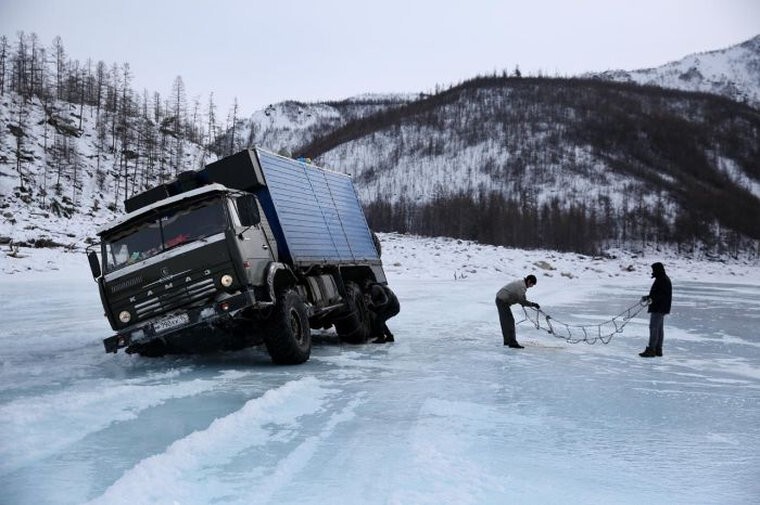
{"x":379,"y":327}
{"x":656,"y":330}
{"x":507,"y":321}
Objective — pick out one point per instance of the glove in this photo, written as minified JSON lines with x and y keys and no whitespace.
{"x":644,"y":299}
{"x":536,"y":306}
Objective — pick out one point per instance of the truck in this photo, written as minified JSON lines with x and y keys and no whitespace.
{"x":252,"y":249}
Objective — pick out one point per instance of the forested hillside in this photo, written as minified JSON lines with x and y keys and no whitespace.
{"x":76,"y":139}
{"x":568,"y":164}
{"x":562,"y":163}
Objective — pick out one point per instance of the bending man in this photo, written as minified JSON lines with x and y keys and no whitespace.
{"x":384,"y":305}
{"x":512,"y":293}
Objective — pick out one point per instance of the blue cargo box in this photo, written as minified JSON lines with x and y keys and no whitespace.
{"x":314,"y":213}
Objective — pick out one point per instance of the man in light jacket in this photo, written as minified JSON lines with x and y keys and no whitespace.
{"x":512,"y":293}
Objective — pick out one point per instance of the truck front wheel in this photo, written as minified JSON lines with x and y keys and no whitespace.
{"x":354,"y":325}
{"x":288,"y":336}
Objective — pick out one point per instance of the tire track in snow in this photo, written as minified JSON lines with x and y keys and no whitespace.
{"x":188,"y":471}
{"x":444,"y":437}
{"x":36,"y":427}
{"x":297,"y":460}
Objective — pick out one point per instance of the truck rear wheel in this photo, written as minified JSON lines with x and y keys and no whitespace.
{"x":354,"y":326}
{"x":288,"y":336}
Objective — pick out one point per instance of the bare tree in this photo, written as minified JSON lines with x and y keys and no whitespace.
{"x":178,"y":109}
{"x":125,"y":130}
{"x":3,"y":62}
{"x":19,"y":131}
{"x":34,"y":65}
{"x":212,"y":127}
{"x":21,"y":65}
{"x":101,"y":74}
{"x":232,"y":127}
{"x":60,"y":66}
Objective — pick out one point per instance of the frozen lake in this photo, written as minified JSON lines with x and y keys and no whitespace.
{"x":444,"y":415}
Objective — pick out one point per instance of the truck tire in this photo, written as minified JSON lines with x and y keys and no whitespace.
{"x":354,"y":325}
{"x":288,"y":335}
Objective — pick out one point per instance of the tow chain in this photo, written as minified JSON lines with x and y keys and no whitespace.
{"x":588,"y":333}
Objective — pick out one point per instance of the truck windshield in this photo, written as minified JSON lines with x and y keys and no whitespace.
{"x":163,"y":231}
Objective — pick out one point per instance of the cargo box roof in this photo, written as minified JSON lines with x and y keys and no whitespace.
{"x":192,"y":194}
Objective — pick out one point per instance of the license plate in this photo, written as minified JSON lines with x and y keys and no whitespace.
{"x":170,"y":322}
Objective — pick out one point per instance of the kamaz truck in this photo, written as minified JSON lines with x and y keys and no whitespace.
{"x":252,"y":249}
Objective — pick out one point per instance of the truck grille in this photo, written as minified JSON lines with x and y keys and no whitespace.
{"x":134,"y":281}
{"x":176,"y":297}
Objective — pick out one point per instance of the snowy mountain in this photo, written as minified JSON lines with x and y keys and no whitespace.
{"x":286,"y":126}
{"x":733,"y":72}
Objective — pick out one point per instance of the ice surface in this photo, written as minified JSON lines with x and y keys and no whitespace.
{"x":444,"y":415}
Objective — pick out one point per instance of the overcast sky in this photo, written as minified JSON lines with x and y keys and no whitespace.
{"x":265,"y":52}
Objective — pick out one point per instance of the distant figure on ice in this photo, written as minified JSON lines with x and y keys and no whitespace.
{"x":660,"y":296}
{"x":512,"y":293}
{"x":384,"y":305}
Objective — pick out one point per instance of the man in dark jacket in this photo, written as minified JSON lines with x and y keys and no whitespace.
{"x":384,"y":305}
{"x":512,"y":293}
{"x":660,"y":296}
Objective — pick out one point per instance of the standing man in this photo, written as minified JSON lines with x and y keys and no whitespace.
{"x":512,"y":293}
{"x":660,"y":296}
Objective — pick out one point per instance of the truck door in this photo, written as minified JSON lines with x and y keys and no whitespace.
{"x":257,"y":247}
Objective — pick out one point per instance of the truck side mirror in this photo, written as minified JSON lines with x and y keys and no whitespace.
{"x":92,"y":257}
{"x":248,"y":210}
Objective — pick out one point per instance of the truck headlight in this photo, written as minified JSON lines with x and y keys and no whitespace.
{"x":125,"y":316}
{"x":226,"y":280}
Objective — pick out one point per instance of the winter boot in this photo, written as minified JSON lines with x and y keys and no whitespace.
{"x":658,"y":352}
{"x":648,"y":353}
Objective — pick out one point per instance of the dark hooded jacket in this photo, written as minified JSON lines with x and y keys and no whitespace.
{"x":661,"y":293}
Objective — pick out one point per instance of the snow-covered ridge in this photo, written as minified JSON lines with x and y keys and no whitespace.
{"x":284,"y":127}
{"x":733,"y":72}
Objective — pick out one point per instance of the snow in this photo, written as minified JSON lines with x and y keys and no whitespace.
{"x":445,"y":414}
{"x":731,"y":72}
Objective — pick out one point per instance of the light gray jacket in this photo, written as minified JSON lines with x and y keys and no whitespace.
{"x":514,"y":292}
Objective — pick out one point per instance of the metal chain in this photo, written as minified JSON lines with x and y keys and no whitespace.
{"x":588,"y":333}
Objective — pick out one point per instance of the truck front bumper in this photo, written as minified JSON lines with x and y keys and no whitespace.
{"x":218,"y":315}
